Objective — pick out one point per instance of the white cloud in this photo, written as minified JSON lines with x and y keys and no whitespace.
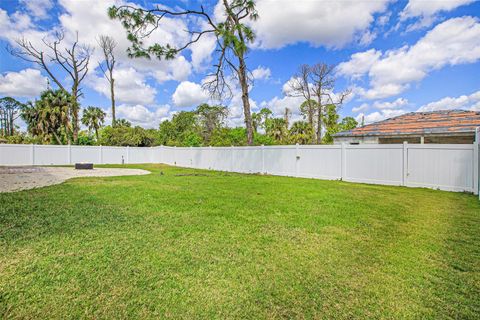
{"x":379,"y":115}
{"x":367,"y":38}
{"x":427,"y":11}
{"x":130,"y":86}
{"x":359,"y":63}
{"x":382,"y":105}
{"x":261,"y":73}
{"x":140,"y":115}
{"x":400,"y":102}
{"x":416,"y":8}
{"x":278,"y":105}
{"x":189,"y":94}
{"x":328,"y":23}
{"x":177,"y":69}
{"x":37,"y":8}
{"x":455,"y":41}
{"x":202,"y":51}
{"x":26,"y":83}
{"x":362,"y":107}
{"x":467,"y":102}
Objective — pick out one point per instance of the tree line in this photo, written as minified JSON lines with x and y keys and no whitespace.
{"x":55,"y":116}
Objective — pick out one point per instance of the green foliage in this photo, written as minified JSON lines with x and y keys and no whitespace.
{"x":209,"y":119}
{"x":182,"y":130}
{"x":301,"y":132}
{"x":277,"y":129}
{"x":9,"y":112}
{"x":348,"y":123}
{"x":332,"y":125}
{"x":49,"y":117}
{"x":93,"y":118}
{"x":86,"y":138}
{"x":127,"y":136}
{"x":20,"y":138}
{"x":122,"y":123}
{"x":260,"y":118}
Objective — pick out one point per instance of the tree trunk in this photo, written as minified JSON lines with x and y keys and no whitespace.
{"x":11,"y":125}
{"x":75,"y":119}
{"x":112,"y":97}
{"x":319,"y":122}
{"x":311,"y":113}
{"x":57,"y":138}
{"x":242,"y":76}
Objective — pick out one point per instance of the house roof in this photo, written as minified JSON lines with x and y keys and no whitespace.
{"x":420,"y":123}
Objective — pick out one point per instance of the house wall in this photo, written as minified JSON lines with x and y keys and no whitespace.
{"x":450,"y":139}
{"x":467,"y":139}
{"x":355,"y":140}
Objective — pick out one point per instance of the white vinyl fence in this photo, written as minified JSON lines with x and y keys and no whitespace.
{"x":451,"y":167}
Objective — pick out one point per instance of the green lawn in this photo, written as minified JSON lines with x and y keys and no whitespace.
{"x":223,"y":245}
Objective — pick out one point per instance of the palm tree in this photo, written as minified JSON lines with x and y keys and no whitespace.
{"x":122,"y":123}
{"x":50,"y":116}
{"x":277,"y":128}
{"x":93,"y":118}
{"x":301,"y":132}
{"x":256,"y":121}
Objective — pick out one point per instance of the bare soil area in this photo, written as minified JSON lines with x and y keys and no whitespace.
{"x":23,"y":178}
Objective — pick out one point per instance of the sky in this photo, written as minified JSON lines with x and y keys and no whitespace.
{"x":394,"y":56}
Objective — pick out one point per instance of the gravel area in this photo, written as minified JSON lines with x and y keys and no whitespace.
{"x":22,"y":178}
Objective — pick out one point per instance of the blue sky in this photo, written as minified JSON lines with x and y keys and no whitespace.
{"x":395,"y":56}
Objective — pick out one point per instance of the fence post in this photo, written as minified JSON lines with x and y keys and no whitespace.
{"x":32,"y":152}
{"x":232,"y":162}
{"x":405,"y":163}
{"x":476,"y":162}
{"x":128,"y":155}
{"x":297,"y":159}
{"x":262,"y":148}
{"x":100,"y":150}
{"x":69,"y":153}
{"x":343,"y":162}
{"x":191,"y":156}
{"x":174,"y":155}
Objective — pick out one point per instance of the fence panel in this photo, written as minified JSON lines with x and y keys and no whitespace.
{"x":247,"y":159}
{"x":140,"y":155}
{"x":322,"y":162}
{"x":378,"y":164}
{"x":280,"y":160}
{"x":85,"y":154}
{"x":16,"y":154}
{"x":221,"y":158}
{"x":114,"y":155}
{"x":446,"y":167}
{"x":52,"y":155}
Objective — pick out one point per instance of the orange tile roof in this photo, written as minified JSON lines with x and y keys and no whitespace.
{"x":420,"y":123}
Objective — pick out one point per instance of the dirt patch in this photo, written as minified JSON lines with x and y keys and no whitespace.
{"x":22,"y":178}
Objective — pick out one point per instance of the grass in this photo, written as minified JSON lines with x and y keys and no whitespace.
{"x":222,"y":245}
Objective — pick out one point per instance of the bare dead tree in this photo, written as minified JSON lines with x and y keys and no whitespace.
{"x":323,"y":81}
{"x":232,"y":38}
{"x":301,"y":87}
{"x":72,"y":60}
{"x":108,"y":44}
